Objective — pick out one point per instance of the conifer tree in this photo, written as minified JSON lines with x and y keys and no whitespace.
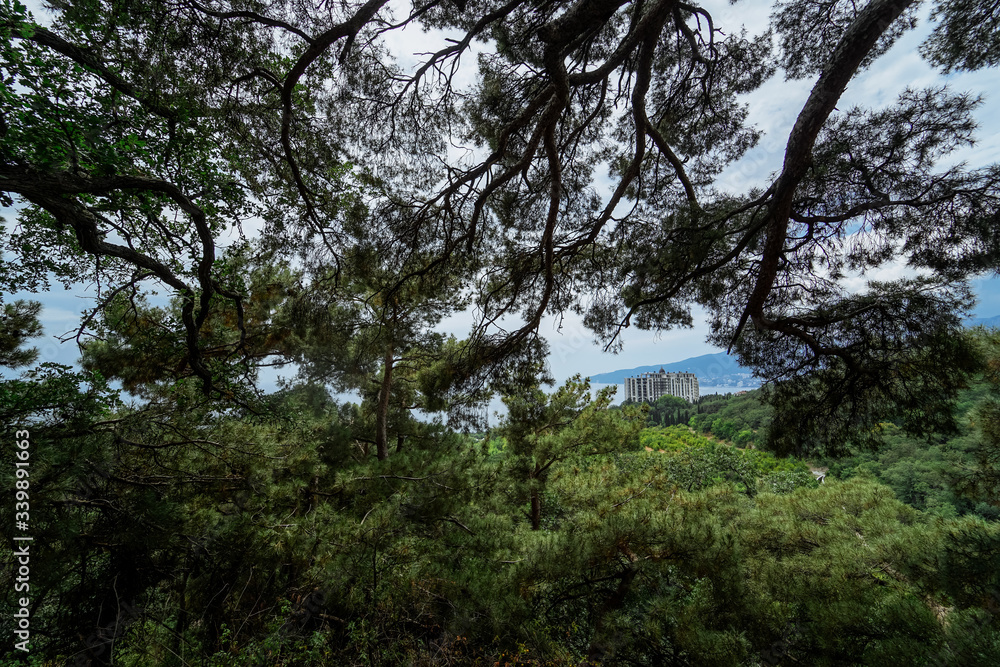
{"x":19,"y":323}
{"x":544,"y":430}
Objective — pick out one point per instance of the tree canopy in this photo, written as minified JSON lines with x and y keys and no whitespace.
{"x":186,"y":145}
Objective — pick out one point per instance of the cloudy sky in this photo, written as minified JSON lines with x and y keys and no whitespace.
{"x":773,"y":109}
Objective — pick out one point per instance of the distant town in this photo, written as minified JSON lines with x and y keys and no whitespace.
{"x":712,"y":370}
{"x":647,"y":387}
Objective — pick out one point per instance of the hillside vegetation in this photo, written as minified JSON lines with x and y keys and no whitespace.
{"x":240,"y":186}
{"x":566,"y":535}
{"x":942,"y":473}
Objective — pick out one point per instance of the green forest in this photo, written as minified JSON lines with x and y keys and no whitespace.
{"x":318,"y":191}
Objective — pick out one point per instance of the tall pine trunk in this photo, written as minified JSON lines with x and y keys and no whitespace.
{"x":536,"y":510}
{"x":536,"y":500}
{"x":382,"y":416}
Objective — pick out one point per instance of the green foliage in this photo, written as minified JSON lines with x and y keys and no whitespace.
{"x":965,"y":36}
{"x":946,"y":474}
{"x":914,"y":379}
{"x":57,"y":410}
{"x":702,"y":553}
{"x":743,"y":419}
{"x":669,"y":411}
{"x":542,"y":431}
{"x":239,"y":528}
{"x":695,"y":462}
{"x":671,"y":439}
{"x":131,"y":346}
{"x":18,"y":323}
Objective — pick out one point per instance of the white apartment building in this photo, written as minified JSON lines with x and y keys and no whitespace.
{"x":650,"y":386}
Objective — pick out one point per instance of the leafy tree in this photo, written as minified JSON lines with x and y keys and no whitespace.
{"x":373,"y":334}
{"x":124,"y":151}
{"x":669,"y":410}
{"x":543,"y":430}
{"x":139,"y":135}
{"x":19,"y":323}
{"x":982,"y":481}
{"x":944,"y":473}
{"x":61,"y":410}
{"x":133,"y":341}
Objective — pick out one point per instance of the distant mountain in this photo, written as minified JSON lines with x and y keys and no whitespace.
{"x":721,"y":370}
{"x":713,"y":370}
{"x":993,"y":322}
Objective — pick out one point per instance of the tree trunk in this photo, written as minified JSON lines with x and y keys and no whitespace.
{"x":182,"y":614}
{"x":382,"y":416}
{"x":536,"y":510}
